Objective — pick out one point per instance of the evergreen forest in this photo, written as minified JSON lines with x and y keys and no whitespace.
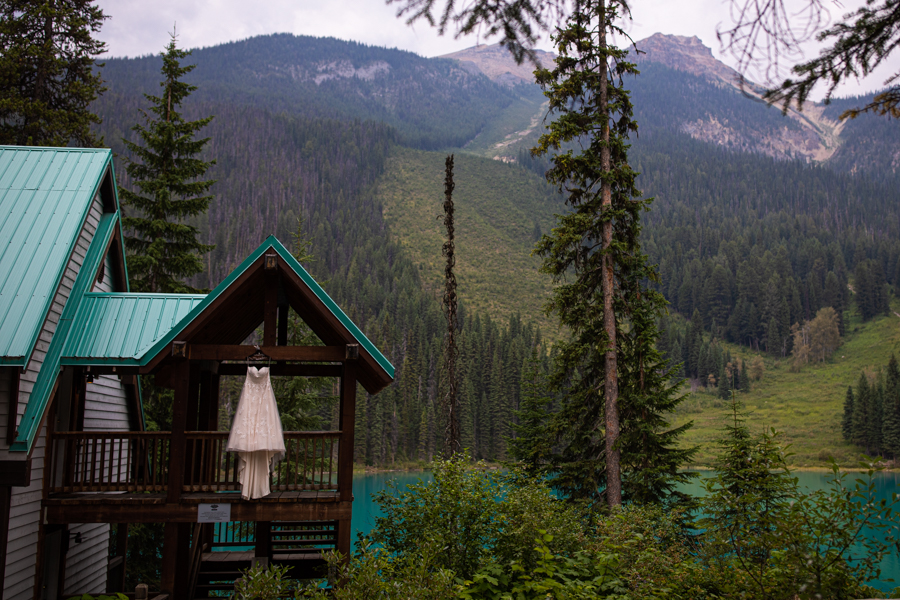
{"x":749,"y":248}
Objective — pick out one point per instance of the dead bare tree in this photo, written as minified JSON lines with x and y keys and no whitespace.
{"x":451,"y":397}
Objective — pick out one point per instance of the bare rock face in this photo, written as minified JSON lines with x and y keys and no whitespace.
{"x":497,"y":63}
{"x":685,"y":54}
{"x":807,"y":134}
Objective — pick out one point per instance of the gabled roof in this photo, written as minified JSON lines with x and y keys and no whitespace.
{"x":240,"y":297}
{"x":117,"y":328}
{"x":46,"y":378}
{"x":45,"y":196}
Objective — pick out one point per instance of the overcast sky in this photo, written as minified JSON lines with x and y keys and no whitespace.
{"x":139,"y":27}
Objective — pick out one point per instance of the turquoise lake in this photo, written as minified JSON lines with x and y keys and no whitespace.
{"x":365,"y":511}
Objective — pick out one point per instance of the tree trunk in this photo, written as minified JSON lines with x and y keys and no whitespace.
{"x":611,"y":383}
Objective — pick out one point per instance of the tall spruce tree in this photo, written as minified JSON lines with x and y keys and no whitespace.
{"x":847,"y":420}
{"x":48,"y":72}
{"x":612,"y":437}
{"x":861,"y":412}
{"x":891,"y":409}
{"x":167,"y":173}
{"x":531,"y":446}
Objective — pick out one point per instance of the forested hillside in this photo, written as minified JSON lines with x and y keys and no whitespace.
{"x":273,"y":168}
{"x":432,"y":103}
{"x":747,"y":245}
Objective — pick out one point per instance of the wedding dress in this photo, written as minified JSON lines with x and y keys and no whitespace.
{"x":256,"y":434}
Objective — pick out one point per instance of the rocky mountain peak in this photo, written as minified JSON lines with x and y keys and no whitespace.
{"x":687,"y":54}
{"x":497,"y":63}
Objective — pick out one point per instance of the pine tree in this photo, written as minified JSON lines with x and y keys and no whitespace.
{"x":891,"y":421}
{"x":745,"y":377}
{"x":861,"y":410}
{"x":164,"y":250}
{"x":847,"y":420}
{"x":876,"y":414}
{"x":610,"y":432}
{"x":531,"y":446}
{"x":48,"y":72}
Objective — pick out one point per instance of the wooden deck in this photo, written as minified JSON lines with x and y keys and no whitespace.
{"x":130,"y":507}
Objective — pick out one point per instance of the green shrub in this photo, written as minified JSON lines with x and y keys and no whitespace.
{"x":476,"y":517}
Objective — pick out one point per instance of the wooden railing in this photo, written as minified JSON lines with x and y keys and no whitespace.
{"x":309,"y":463}
{"x":110,"y":461}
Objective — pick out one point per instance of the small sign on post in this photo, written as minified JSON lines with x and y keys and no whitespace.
{"x":213,"y":513}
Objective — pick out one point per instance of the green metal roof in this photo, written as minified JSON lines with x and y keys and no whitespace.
{"x":45,"y":196}
{"x":273,"y":243}
{"x":116,"y":328}
{"x":46,"y":379}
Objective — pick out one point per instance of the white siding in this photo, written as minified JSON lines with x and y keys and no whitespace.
{"x":106,"y":285}
{"x":24,"y":514}
{"x":106,"y":406}
{"x":86,"y":563}
{"x":106,"y":409}
{"x":25,"y":505}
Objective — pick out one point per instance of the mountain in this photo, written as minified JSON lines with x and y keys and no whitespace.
{"x":683,"y":88}
{"x":432,"y":103}
{"x":496,"y":62}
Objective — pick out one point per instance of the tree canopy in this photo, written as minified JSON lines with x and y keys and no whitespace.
{"x":164,"y":249}
{"x":48,"y":72}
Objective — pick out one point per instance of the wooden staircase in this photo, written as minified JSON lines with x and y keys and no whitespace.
{"x":217,"y":565}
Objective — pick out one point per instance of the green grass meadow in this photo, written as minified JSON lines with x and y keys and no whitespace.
{"x":497,"y":207}
{"x":807,"y":406}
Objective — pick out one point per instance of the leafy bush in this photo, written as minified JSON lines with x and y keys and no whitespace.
{"x":373,"y":573}
{"x":476,"y":517}
{"x":765,"y":538}
{"x":264,"y":583}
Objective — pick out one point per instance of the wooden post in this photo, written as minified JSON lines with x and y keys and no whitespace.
{"x":5,"y":501}
{"x":11,"y":425}
{"x":263,"y":540}
{"x":271,"y":303}
{"x":181,"y":381}
{"x":115,"y":578}
{"x":191,"y":422}
{"x":283,"y":312}
{"x":345,"y":456}
{"x":346,"y":425}
{"x":176,"y":560}
{"x":174,"y":557}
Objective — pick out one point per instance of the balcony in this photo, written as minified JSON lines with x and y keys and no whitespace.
{"x":133,"y":477}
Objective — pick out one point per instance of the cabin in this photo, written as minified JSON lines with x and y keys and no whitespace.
{"x":75,"y":456}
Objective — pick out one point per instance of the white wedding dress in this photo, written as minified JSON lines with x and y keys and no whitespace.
{"x":256,"y":434}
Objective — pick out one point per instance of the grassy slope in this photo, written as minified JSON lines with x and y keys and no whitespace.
{"x":497,"y":206}
{"x":805,"y":406}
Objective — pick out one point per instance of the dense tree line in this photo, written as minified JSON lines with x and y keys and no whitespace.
{"x":753,"y":246}
{"x":871,"y":418}
{"x":273,"y":168}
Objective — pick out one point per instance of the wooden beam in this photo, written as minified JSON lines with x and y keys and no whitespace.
{"x":15,"y":472}
{"x":279,"y":370}
{"x":277,"y":353}
{"x":187,"y":513}
{"x":347,"y":417}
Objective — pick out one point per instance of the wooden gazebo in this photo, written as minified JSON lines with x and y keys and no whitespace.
{"x":184,"y":478}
